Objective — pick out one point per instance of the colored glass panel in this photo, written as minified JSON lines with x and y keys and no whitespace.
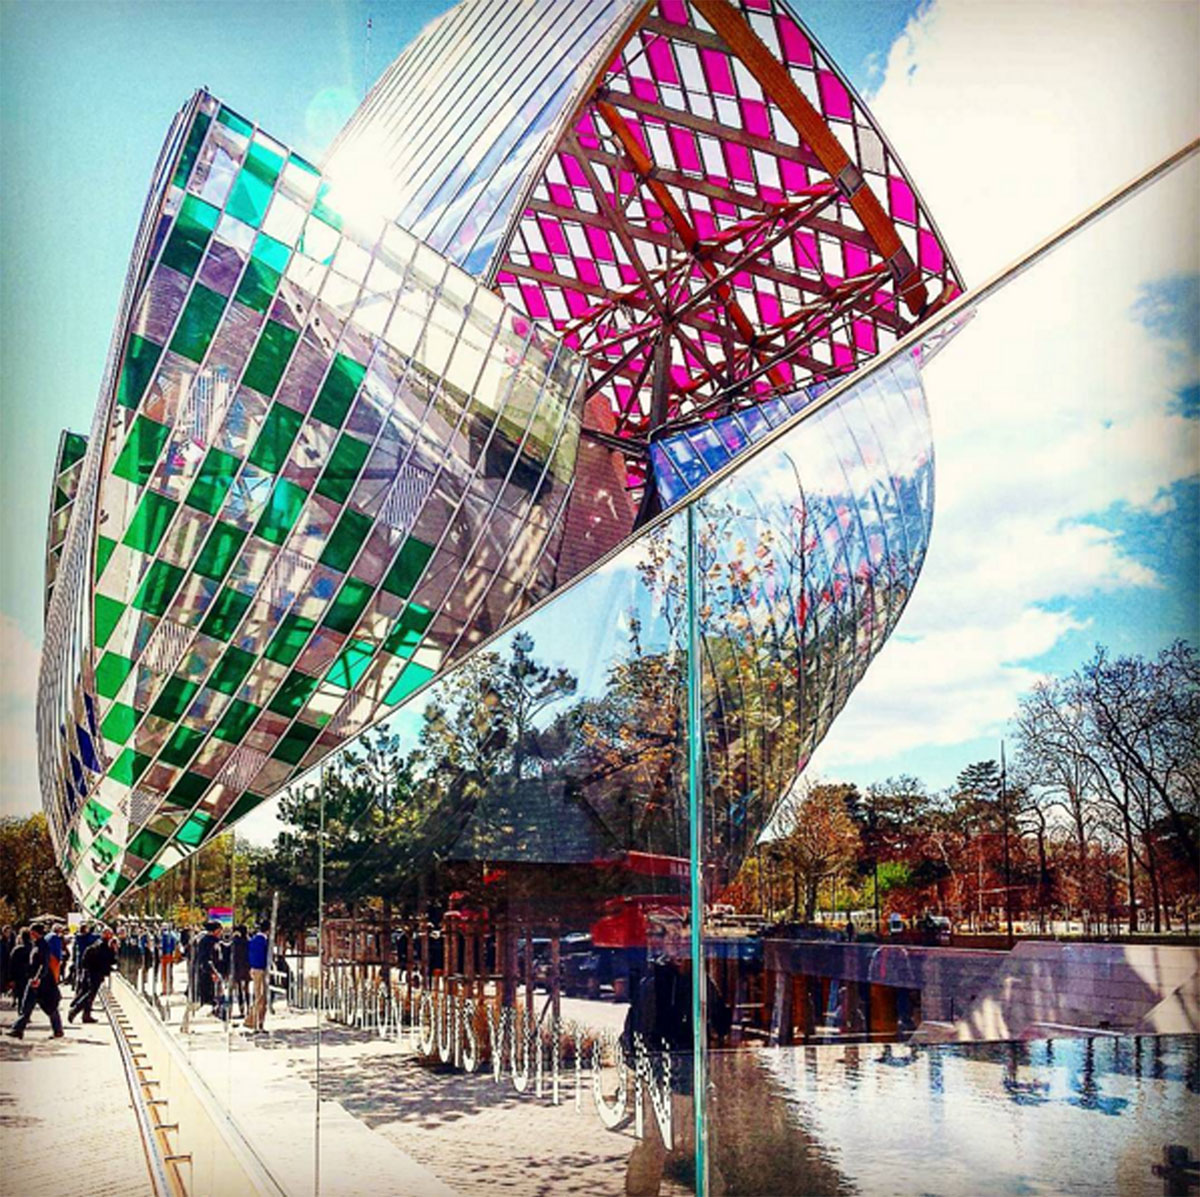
{"x":271,"y":253}
{"x":270,"y":358}
{"x":225,"y":614}
{"x":345,"y":462}
{"x":231,"y":670}
{"x":338,"y":390}
{"x":73,"y":448}
{"x":140,"y":452}
{"x":174,"y":699}
{"x":348,"y":606}
{"x":345,"y":540}
{"x":413,"y":677}
{"x":410,"y":627}
{"x":213,"y":481}
{"x":158,"y":588}
{"x":194,"y":830}
{"x":250,"y":196}
{"x":95,"y":815}
{"x":191,"y":148}
{"x":146,"y":843}
{"x":243,"y":806}
{"x":275,"y":440}
{"x":290,"y":638}
{"x":182,"y":745}
{"x":281,"y":511}
{"x":348,"y":669}
{"x":236,"y":722}
{"x":234,"y":122}
{"x":263,"y":163}
{"x":293,"y":745}
{"x":257,"y":286}
{"x":406,"y":569}
{"x":219,"y":550}
{"x":322,"y":210}
{"x":149,"y":522}
{"x":108,"y":612}
{"x":141,"y":356}
{"x":199,"y":321}
{"x":188,"y":788}
{"x":111,"y":672}
{"x":119,"y":723}
{"x":193,"y":228}
{"x":129,"y":766}
{"x":104,"y":550}
{"x":293,"y":694}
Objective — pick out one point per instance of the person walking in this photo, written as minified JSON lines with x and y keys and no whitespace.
{"x":239,"y":970}
{"x":86,"y":936}
{"x":8,"y":941}
{"x":42,"y":988}
{"x":18,"y":966}
{"x":168,"y":953}
{"x":57,"y":948}
{"x":94,"y":969}
{"x":258,"y":958}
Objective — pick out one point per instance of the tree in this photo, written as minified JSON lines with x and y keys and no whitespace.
{"x":30,"y":880}
{"x":819,"y":840}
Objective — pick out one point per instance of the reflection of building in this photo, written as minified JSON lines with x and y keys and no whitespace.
{"x":357,"y":420}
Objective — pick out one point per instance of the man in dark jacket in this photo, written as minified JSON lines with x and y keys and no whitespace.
{"x":42,"y":989}
{"x":98,"y":962}
{"x":204,"y":973}
{"x":239,"y":969}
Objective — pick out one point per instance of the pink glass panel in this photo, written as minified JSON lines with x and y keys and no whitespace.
{"x":834,"y":97}
{"x":903,"y":202}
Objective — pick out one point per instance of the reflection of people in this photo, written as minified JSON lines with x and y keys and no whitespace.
{"x":257,"y":956}
{"x":98,"y":962}
{"x":661,"y":1013}
{"x":850,"y":932}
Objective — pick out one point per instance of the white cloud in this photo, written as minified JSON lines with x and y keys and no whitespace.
{"x":1054,"y":406}
{"x":19,"y":793}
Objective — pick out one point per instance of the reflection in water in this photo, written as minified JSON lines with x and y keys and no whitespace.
{"x":1072,"y":1116}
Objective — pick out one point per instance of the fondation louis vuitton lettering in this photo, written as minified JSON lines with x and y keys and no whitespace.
{"x":561,"y":311}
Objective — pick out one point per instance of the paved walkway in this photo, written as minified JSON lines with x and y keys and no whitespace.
{"x":67,"y":1125}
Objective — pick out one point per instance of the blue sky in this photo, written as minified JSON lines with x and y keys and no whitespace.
{"x":1009,"y":124}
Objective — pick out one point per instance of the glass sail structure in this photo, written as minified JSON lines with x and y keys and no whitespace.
{"x":360,"y":419}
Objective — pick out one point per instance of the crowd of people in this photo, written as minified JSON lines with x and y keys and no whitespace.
{"x":225,"y":970}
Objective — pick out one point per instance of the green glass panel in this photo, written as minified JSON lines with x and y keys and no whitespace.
{"x":281,"y":512}
{"x":61,"y":498}
{"x":231,"y":669}
{"x":111,"y":672}
{"x":338,"y":390}
{"x":158,"y":588}
{"x":236,"y":722}
{"x":303,"y":164}
{"x":249,"y":198}
{"x":174,"y":698}
{"x":225,"y":614}
{"x":199,"y":321}
{"x":141,"y":449}
{"x":213,"y":482}
{"x":119,"y":723}
{"x":194,"y":829}
{"x":295,"y":742}
{"x":235,"y":122}
{"x":344,"y":464}
{"x":149,"y":523}
{"x":345,"y":540}
{"x":257,"y":286}
{"x":409,"y":629}
{"x":406,"y":569}
{"x":182,"y":745}
{"x":188,"y":788}
{"x":322,"y":210}
{"x":348,"y":606}
{"x":275,"y":440}
{"x":141,"y":356}
{"x":95,"y":815}
{"x":107,"y":612}
{"x":413,"y":677}
{"x":351,"y":665}
{"x":271,"y":253}
{"x":129,"y":766}
{"x":270,"y":358}
{"x":289,"y":639}
{"x":155,"y":872}
{"x":146,"y":843}
{"x":189,"y":238}
{"x":191,"y":148}
{"x":263,"y":163}
{"x":219,"y":550}
{"x":104,"y":550}
{"x":74,"y":446}
{"x":293,"y":694}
